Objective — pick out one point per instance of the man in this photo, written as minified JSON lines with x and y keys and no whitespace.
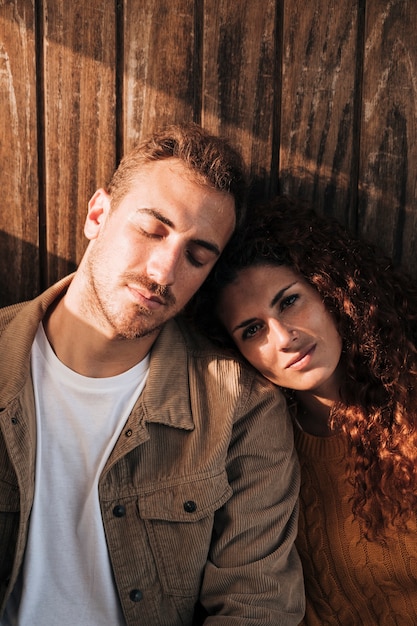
{"x":141,"y":481}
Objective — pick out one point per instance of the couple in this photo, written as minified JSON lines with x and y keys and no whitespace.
{"x":149,"y":477}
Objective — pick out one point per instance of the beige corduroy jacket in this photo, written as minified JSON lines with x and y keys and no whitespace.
{"x":198,"y":497}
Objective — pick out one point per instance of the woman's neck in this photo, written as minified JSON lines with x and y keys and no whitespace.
{"x":313,"y":414}
{"x":315,"y":405}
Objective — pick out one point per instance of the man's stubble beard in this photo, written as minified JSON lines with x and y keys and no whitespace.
{"x":137,"y":326}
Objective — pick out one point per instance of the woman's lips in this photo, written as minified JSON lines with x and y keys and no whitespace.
{"x":303,"y":359}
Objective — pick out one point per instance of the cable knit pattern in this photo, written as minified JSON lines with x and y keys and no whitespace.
{"x":349,"y":580}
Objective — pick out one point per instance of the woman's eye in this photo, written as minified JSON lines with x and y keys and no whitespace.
{"x":288,"y":301}
{"x":251,"y":331}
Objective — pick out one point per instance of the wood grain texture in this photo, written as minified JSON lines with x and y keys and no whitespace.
{"x":318,"y":96}
{"x":239,"y":80}
{"x":388,"y":155}
{"x":159,"y":68}
{"x":19,"y":266}
{"x":79,"y":127}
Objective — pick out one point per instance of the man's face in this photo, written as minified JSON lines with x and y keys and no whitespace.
{"x":151,"y":253}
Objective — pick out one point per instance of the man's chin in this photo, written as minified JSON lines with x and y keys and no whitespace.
{"x":130,"y":333}
{"x":147,"y":333}
{"x":137,"y":323}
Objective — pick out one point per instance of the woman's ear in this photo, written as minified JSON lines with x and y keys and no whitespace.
{"x":98,"y":209}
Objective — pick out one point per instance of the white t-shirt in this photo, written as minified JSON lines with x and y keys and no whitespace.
{"x":66,"y":576}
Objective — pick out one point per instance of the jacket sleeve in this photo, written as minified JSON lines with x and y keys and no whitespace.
{"x":254,"y":574}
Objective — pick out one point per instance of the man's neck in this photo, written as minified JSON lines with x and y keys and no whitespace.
{"x":88,"y":351}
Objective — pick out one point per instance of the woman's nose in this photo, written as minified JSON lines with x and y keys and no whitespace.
{"x":283,"y":334}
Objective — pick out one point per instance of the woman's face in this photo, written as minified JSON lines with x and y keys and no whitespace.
{"x":280,"y":324}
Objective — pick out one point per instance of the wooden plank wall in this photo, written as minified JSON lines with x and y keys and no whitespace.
{"x":320,"y":96}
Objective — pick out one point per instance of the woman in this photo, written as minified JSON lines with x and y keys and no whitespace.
{"x":328,"y":319}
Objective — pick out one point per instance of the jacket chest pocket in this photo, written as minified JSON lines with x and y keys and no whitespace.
{"x":179,"y":522}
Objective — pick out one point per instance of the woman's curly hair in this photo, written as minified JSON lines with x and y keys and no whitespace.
{"x":374,"y":307}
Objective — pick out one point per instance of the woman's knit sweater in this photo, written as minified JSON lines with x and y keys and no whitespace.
{"x":349,"y":581}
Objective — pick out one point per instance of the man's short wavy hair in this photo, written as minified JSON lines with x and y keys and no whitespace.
{"x":211,"y":160}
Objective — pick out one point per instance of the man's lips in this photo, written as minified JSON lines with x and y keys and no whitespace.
{"x":146,"y":297}
{"x":302,"y":358}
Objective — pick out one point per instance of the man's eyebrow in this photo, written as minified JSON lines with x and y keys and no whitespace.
{"x":208,"y":245}
{"x":157,"y":215}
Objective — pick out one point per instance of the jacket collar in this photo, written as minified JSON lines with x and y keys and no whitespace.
{"x":166,"y":397}
{"x":21,"y":322}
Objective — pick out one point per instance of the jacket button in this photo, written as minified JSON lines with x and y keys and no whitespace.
{"x":119,"y":510}
{"x":136,"y":595}
{"x":190,"y":506}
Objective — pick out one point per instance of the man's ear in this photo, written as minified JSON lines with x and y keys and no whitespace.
{"x":98,"y":209}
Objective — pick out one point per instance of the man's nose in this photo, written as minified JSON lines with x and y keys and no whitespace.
{"x":163,"y":264}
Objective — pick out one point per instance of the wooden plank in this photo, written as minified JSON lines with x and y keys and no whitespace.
{"x":19,"y":268}
{"x":388,"y":157}
{"x":80,"y":130}
{"x":239,"y":78}
{"x":160,"y":59}
{"x":318,"y":97}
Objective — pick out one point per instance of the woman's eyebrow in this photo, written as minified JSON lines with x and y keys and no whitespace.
{"x":280,"y":293}
{"x":243,"y":324}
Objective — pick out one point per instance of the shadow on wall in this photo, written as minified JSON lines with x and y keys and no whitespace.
{"x":20,"y":270}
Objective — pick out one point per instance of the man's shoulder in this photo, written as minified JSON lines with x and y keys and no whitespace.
{"x":218,"y":368}
{"x":198,"y":344}
{"x":8,"y":313}
{"x":181,"y":349}
{"x":30,"y":312}
{"x":199,"y":348}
